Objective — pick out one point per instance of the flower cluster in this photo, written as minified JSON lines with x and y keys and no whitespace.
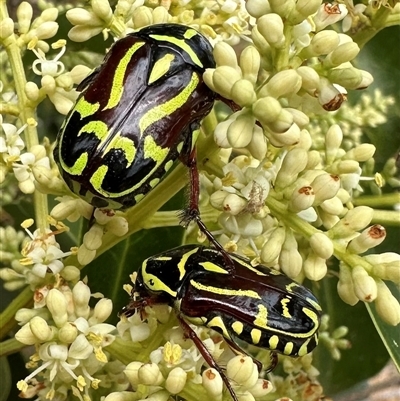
{"x":281,"y":178}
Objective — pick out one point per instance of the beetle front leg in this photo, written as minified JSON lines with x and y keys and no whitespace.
{"x":191,"y":334}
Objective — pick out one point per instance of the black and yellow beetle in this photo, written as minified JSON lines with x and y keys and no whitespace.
{"x":257,"y":305}
{"x":137,"y":113}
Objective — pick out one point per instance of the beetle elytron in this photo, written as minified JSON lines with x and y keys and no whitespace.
{"x":257,"y":305}
{"x":137,"y":113}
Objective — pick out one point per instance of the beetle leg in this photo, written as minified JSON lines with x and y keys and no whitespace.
{"x":238,"y":350}
{"x":192,"y":212}
{"x":191,"y":334}
{"x":274,"y":362}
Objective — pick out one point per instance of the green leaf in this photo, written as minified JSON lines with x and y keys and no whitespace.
{"x":5,"y":375}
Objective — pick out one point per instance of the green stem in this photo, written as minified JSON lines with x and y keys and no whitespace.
{"x":281,"y":59}
{"x":26,"y":113}
{"x":386,"y":218}
{"x":10,"y":346}
{"x":385,"y":200}
{"x":11,"y":109}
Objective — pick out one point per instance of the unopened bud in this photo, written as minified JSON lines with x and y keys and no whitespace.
{"x":250,"y":62}
{"x":355,"y":220}
{"x":272,"y":248}
{"x":234,"y":204}
{"x":385,"y":266}
{"x":150,"y":374}
{"x":40,"y":329}
{"x":361,"y":153}
{"x":387,"y":305}
{"x":349,"y":78}
{"x":307,"y":7}
{"x":365,"y":286}
{"x":309,"y":78}
{"x":329,"y":97}
{"x":315,"y":268}
{"x":81,"y":297}
{"x":6,"y":28}
{"x":271,"y":27}
{"x":102,"y":9}
{"x":224,"y":55}
{"x":332,"y":206}
{"x":290,"y":137}
{"x":102,"y":311}
{"x":142,"y":17}
{"x":290,"y":259}
{"x":24,"y":15}
{"x":160,"y":15}
{"x":323,"y":42}
{"x":243,"y":93}
{"x":333,"y":140}
{"x":213,"y":383}
{"x":131,"y":372}
{"x":47,"y":30}
{"x":345,"y":286}
{"x":266,"y":109}
{"x":68,"y":333}
{"x":242,"y":370}
{"x":224,"y":78}
{"x":294,"y":162}
{"x":57,"y":305}
{"x":261,"y":388}
{"x":176,"y":380}
{"x":257,"y":8}
{"x":369,"y":238}
{"x":25,"y":336}
{"x":93,"y":238}
{"x":284,"y":83}
{"x":301,"y":199}
{"x":321,"y":245}
{"x":82,"y":33}
{"x":366,"y":81}
{"x":342,"y":54}
{"x":325,"y":186}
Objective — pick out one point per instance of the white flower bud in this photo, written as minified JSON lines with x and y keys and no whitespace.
{"x":25,"y":336}
{"x":160,"y":15}
{"x":250,"y":62}
{"x":328,"y":220}
{"x":47,"y":30}
{"x":24,"y":16}
{"x":213,"y":383}
{"x":309,"y":78}
{"x":345,"y":286}
{"x":342,"y":54}
{"x":307,"y":7}
{"x":32,"y":91}
{"x":132,"y":373}
{"x":224,"y":55}
{"x":234,"y":204}
{"x":314,"y":159}
{"x":290,"y":259}
{"x":48,"y":84}
{"x":6,"y":28}
{"x":150,"y":375}
{"x":329,"y":97}
{"x":158,"y":396}
{"x":176,"y":380}
{"x":283,"y":8}
{"x":258,"y":144}
{"x":121,"y":395}
{"x":284,"y":83}
{"x":294,"y":162}
{"x":271,"y":27}
{"x":267,"y":109}
{"x":282,"y":123}
{"x":301,"y":199}
{"x":289,"y":138}
{"x":257,"y":8}
{"x":242,"y":370}
{"x":142,"y":17}
{"x":325,"y":186}
{"x":102,"y":9}
{"x":315,"y":268}
{"x":299,"y":117}
{"x":365,"y":286}
{"x":321,"y":245}
{"x":355,"y":220}
{"x":224,"y":78}
{"x":350,"y":78}
{"x":369,"y":238}
{"x":333,"y":140}
{"x":81,"y":296}
{"x":361,"y":153}
{"x":40,"y":329}
{"x":272,"y":248}
{"x":261,"y":44}
{"x":217,"y":199}
{"x":102,"y":311}
{"x":385,"y":266}
{"x":57,"y":305}
{"x":94,"y":237}
{"x":68,"y":333}
{"x":261,"y":388}
{"x":243,"y":93}
{"x":82,"y":33}
{"x":323,"y":42}
{"x":366,"y":81}
{"x":332,"y":206}
{"x":81,"y":16}
{"x":387,"y":305}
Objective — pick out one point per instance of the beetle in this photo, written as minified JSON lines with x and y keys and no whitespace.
{"x":257,"y":305}
{"x":137,"y":113}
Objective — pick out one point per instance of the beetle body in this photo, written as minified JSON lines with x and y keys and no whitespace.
{"x":136,"y":114}
{"x":257,"y":305}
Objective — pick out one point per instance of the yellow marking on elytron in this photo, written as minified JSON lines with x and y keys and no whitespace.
{"x":158,"y":285}
{"x":98,"y":128}
{"x":79,"y":165}
{"x":237,"y":327}
{"x":218,"y":322}
{"x":212,"y":267}
{"x":86,"y":109}
{"x":303,"y":350}
{"x":223,"y":291}
{"x":182,"y":44}
{"x":163,"y":258}
{"x":127,"y":146}
{"x":261,"y":317}
{"x":190,"y":33}
{"x":139,"y":197}
{"x":165,"y":109}
{"x":182,"y":262}
{"x":117,"y":88}
{"x":289,"y":287}
{"x":313,"y":316}
{"x":285,"y":309}
{"x":315,"y":304}
{"x":288,"y":348}
{"x":273,"y":342}
{"x":168,"y":165}
{"x":179,"y":147}
{"x":154,"y":182}
{"x":153,"y":151}
{"x":248,"y":266}
{"x":255,"y":336}
{"x":160,"y":67}
{"x":97,"y":178}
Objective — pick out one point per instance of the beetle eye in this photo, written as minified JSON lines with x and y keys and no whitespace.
{"x":151,"y":282}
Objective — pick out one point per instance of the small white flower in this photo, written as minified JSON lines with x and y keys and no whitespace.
{"x":47,"y":259}
{"x":11,"y":143}
{"x":52,"y":67}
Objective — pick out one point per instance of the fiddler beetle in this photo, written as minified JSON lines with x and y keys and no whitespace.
{"x":257,"y":305}
{"x":137,"y":113}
